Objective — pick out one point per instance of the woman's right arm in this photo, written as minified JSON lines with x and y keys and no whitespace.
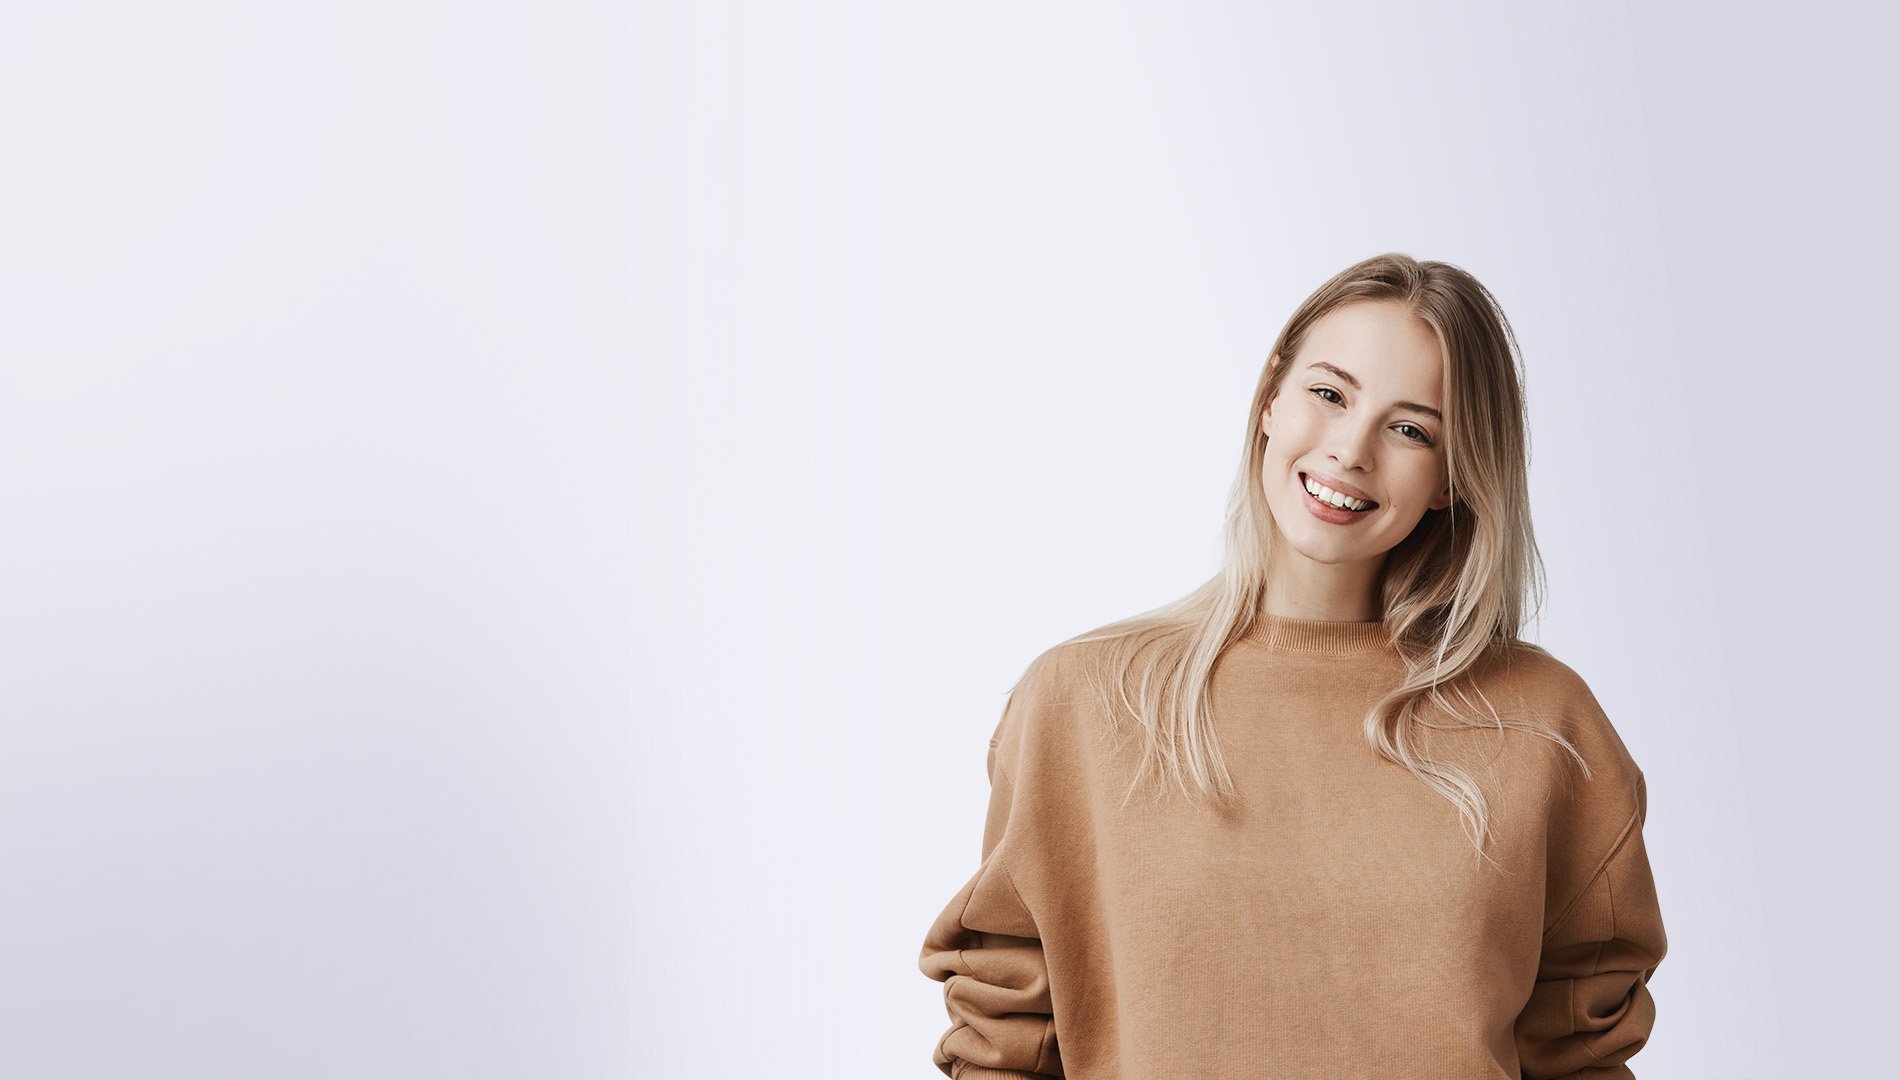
{"x":987,"y":952}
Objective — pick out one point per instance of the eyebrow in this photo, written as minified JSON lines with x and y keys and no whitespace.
{"x":1412,"y":405}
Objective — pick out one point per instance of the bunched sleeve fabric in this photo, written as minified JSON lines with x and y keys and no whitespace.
{"x":987,"y":952}
{"x":1590,"y":1009}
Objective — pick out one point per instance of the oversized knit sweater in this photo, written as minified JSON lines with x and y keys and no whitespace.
{"x":1336,"y":922}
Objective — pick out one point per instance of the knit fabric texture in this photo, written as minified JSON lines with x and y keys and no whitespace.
{"x":1336,"y":921}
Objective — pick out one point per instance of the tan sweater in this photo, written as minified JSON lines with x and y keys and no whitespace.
{"x":1338,"y":924}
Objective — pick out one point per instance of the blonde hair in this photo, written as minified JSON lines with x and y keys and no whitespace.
{"x":1453,"y":590}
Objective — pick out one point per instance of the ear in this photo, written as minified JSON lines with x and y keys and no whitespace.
{"x":1266,"y":412}
{"x":1442,"y":500}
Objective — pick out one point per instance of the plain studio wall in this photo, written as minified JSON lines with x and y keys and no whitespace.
{"x":520,"y":517}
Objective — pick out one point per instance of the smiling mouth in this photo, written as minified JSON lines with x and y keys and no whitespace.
{"x":1356,"y":506}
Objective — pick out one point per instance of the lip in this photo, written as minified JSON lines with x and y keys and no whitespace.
{"x":1329,"y":513}
{"x":1339,"y":485}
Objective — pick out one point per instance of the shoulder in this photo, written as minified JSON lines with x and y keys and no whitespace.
{"x":1540,"y":687}
{"x":1531,"y":666}
{"x":1593,"y":792}
{"x":1047,"y":705}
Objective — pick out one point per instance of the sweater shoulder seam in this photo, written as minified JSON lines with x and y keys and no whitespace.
{"x":1630,"y":829}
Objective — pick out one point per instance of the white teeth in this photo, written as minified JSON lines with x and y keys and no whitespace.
{"x":1328,"y":495}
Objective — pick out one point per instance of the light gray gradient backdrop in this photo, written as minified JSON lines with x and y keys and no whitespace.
{"x":519,"y":518}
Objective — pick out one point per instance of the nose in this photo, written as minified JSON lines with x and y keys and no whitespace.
{"x":1352,"y":445}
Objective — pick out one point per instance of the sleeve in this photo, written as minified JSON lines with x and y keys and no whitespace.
{"x":986,"y":951}
{"x":1590,"y":1009}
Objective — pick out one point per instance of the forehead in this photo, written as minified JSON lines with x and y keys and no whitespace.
{"x":1381,"y":344}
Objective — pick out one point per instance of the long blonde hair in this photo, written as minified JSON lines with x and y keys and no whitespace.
{"x":1453,"y":590}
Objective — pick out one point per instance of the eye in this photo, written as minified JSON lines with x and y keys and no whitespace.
{"x":1418,"y":434}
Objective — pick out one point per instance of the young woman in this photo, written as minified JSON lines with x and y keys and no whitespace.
{"x":1382,"y":835}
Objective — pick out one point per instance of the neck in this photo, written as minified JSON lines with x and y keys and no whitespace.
{"x":1361,"y":604}
{"x":1299,"y":588}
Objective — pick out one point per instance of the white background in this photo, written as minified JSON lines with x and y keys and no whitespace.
{"x":519,"y":519}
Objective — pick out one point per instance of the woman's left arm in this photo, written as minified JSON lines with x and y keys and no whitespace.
{"x":1591,"y":1008}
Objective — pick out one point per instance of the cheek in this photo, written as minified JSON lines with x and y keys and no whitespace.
{"x":1293,"y":430}
{"x":1425,"y":487}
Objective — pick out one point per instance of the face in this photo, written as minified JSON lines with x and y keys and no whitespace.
{"x":1356,"y":414}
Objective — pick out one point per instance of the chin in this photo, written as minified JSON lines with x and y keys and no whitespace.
{"x":1330,"y":558}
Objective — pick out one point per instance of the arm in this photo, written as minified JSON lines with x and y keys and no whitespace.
{"x":1591,"y":1009}
{"x":986,"y":951}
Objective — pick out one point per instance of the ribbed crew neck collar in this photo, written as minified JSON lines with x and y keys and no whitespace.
{"x":1282,"y":633}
